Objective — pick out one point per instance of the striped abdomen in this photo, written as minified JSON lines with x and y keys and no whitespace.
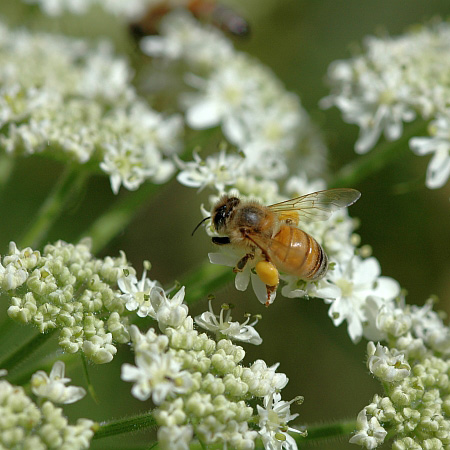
{"x":297,"y":253}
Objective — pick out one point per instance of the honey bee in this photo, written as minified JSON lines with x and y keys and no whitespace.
{"x":210,"y":11}
{"x":270,"y":233}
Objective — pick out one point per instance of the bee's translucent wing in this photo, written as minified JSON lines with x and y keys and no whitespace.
{"x":317,"y":205}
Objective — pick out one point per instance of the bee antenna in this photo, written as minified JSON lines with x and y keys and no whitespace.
{"x":195,"y":229}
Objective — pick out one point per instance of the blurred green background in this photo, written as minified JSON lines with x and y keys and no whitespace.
{"x":406,"y":224}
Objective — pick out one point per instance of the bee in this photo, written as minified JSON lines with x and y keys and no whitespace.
{"x":210,"y":11}
{"x":270,"y":234}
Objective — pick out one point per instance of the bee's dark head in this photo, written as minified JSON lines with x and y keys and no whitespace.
{"x":222,"y":212}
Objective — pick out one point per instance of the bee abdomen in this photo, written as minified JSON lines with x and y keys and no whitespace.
{"x":320,"y":267}
{"x":297,"y":253}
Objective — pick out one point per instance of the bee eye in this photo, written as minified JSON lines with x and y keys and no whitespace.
{"x":222,"y":213}
{"x":220,"y":217}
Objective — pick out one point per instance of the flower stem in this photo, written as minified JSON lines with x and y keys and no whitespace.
{"x":205,"y":279}
{"x":23,"y":377}
{"x":69,"y":183}
{"x":25,"y":350}
{"x":7,"y":163}
{"x":118,"y":216}
{"x":374,"y":161}
{"x":125,"y":425}
{"x":328,"y":431}
{"x":90,"y":386}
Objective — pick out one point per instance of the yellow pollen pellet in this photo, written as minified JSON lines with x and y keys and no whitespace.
{"x":268,"y":273}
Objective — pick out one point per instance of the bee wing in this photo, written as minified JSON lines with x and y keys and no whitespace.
{"x":318,"y":205}
{"x":264,"y":243}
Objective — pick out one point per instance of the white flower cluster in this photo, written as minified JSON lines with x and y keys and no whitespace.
{"x":61,"y":97}
{"x":414,"y":370}
{"x":65,"y":288}
{"x":396,"y":80}
{"x":199,"y":386}
{"x":24,"y":424}
{"x":257,"y":115}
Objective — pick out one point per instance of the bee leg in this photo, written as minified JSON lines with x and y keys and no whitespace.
{"x":270,"y":290}
{"x":240,"y":266}
{"x":268,"y":274}
{"x":221,"y":240}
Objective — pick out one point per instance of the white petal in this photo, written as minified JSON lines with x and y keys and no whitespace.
{"x":354,"y":328}
{"x":261,"y":291}
{"x":129,"y":372}
{"x":367,"y":271}
{"x":234,"y":130}
{"x":203,"y":115}
{"x":387,"y":288}
{"x":367,"y":139}
{"x":422,"y":145}
{"x":438,"y":170}
{"x":58,"y":370}
{"x":222,"y":259}
{"x":241,"y":280}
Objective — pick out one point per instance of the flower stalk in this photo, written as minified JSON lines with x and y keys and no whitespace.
{"x":383,"y":154}
{"x":125,"y":425}
{"x":329,"y":431}
{"x":25,"y":350}
{"x":69,"y":184}
{"x":118,"y":216}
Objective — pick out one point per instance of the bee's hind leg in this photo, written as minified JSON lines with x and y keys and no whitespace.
{"x":268,"y":274}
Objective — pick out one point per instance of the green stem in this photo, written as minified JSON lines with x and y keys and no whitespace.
{"x":125,"y":425}
{"x":23,"y":377}
{"x":7,"y":163}
{"x":378,"y":158}
{"x":70,"y":182}
{"x":25,"y":350}
{"x":90,"y":386}
{"x":204,"y":280}
{"x":326,"y":431}
{"x":118,"y":216}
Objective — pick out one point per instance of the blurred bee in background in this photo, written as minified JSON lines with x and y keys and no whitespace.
{"x":209,"y":11}
{"x":270,"y":233}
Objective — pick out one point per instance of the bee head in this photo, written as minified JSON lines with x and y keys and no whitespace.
{"x":223,"y":211}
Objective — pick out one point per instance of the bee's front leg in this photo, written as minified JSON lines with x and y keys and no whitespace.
{"x":240,"y":266}
{"x":221,"y":240}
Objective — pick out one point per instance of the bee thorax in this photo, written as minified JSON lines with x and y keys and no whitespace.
{"x":252,"y":218}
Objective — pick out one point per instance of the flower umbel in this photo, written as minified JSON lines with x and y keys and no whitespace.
{"x":394,"y":81}
{"x":68,"y":100}
{"x":27,"y":425}
{"x":414,"y":374}
{"x":65,"y":288}
{"x":199,"y":385}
